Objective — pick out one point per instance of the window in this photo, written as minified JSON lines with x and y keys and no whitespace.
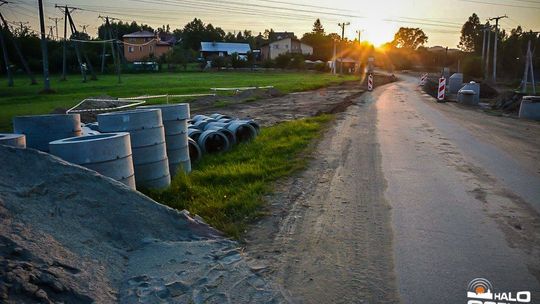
{"x":131,"y":49}
{"x":286,"y":46}
{"x":276,"y":46}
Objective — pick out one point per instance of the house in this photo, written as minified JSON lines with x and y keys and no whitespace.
{"x":284,"y":46}
{"x":223,"y":49}
{"x":284,"y":35}
{"x":142,"y":45}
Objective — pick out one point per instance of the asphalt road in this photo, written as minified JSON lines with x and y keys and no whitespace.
{"x":462,"y":205}
{"x":407,"y":200}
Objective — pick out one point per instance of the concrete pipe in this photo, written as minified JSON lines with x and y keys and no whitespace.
{"x":151,"y":171}
{"x":196,"y":118}
{"x":225,"y":120}
{"x":92,"y":149}
{"x":213,"y":141}
{"x":214,"y":125}
{"x":177,"y":141}
{"x":159,"y":183}
{"x":42,"y":129}
{"x":173,"y":111}
{"x":147,"y":141}
{"x":195,"y":153}
{"x":176,"y":138}
{"x":147,"y":137}
{"x":108,"y":154}
{"x":194,"y":133}
{"x":254,"y":124}
{"x":14,"y":140}
{"x":129,"y":120}
{"x":149,"y":154}
{"x":230,"y":135}
{"x":200,"y":124}
{"x":219,"y":116}
{"x":175,"y":126}
{"x":93,"y":125}
{"x":243,"y":131}
{"x":184,"y":166}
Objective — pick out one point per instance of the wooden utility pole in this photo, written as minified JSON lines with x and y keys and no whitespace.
{"x":495,"y":45}
{"x":342,"y":25}
{"x":44,"y":53}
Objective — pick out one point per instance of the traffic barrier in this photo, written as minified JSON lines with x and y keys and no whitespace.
{"x":147,"y":143}
{"x":423,"y":79}
{"x":42,"y":129}
{"x":370,"y":82}
{"x":442,"y":89}
{"x":108,"y":154}
{"x":14,"y":140}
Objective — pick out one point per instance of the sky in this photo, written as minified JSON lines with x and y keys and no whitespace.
{"x":374,"y":21}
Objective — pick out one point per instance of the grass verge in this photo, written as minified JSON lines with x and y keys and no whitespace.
{"x":227,"y":189}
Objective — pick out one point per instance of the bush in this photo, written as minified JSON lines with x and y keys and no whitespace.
{"x":297,"y":62}
{"x":283,"y":61}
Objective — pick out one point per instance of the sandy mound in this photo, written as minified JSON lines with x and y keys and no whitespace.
{"x":70,"y":235}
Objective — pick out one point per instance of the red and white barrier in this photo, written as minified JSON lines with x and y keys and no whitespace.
{"x":423,"y":79}
{"x":370,"y":82}
{"x":442,"y":88}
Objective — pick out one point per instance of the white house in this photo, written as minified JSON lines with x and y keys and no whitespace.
{"x":284,"y":46}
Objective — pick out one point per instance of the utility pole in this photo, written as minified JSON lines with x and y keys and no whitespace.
{"x":359,"y":32}
{"x":484,"y":30}
{"x":51,"y":32}
{"x":334,"y":59}
{"x":495,"y":45}
{"x":56,"y":19}
{"x":486,"y":64}
{"x":528,"y":66}
{"x":19,"y":53}
{"x":44,"y":54}
{"x":5,"y":53}
{"x":342,"y":25}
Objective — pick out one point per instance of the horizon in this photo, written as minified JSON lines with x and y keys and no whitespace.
{"x":378,"y":22}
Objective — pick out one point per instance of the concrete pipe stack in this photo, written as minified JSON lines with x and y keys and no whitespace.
{"x":108,"y":154}
{"x":42,"y":129}
{"x":175,"y":118}
{"x":14,"y":140}
{"x":145,"y":126}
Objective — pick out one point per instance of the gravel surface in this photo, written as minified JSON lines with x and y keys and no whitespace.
{"x":70,"y":235}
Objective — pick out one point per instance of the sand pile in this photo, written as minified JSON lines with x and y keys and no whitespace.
{"x":70,"y":235}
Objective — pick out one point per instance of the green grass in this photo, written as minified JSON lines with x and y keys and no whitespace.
{"x":227,"y":189}
{"x":24,"y":99}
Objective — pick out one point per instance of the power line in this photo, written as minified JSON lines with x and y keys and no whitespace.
{"x":501,"y":4}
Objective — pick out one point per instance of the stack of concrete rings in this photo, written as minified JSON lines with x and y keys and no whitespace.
{"x":149,"y":150}
{"x":108,"y":154}
{"x":40,"y":130}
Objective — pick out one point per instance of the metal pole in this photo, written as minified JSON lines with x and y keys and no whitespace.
{"x":45,"y":55}
{"x":483,"y":47}
{"x":526,"y":71}
{"x":532,"y":70}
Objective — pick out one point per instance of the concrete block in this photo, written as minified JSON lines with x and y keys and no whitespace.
{"x":14,"y":140}
{"x":474,"y":87}
{"x":455,"y":83}
{"x":530,"y":107}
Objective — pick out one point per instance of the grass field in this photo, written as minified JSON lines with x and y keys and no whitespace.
{"x":227,"y":189}
{"x":23,"y":99}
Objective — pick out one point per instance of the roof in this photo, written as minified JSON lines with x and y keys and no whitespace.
{"x":292,"y":39}
{"x":140,"y":34}
{"x":228,"y":47}
{"x":283,"y":35}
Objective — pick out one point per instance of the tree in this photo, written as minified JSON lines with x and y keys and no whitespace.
{"x":409,"y":38}
{"x":317,"y":27}
{"x":471,"y":35}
